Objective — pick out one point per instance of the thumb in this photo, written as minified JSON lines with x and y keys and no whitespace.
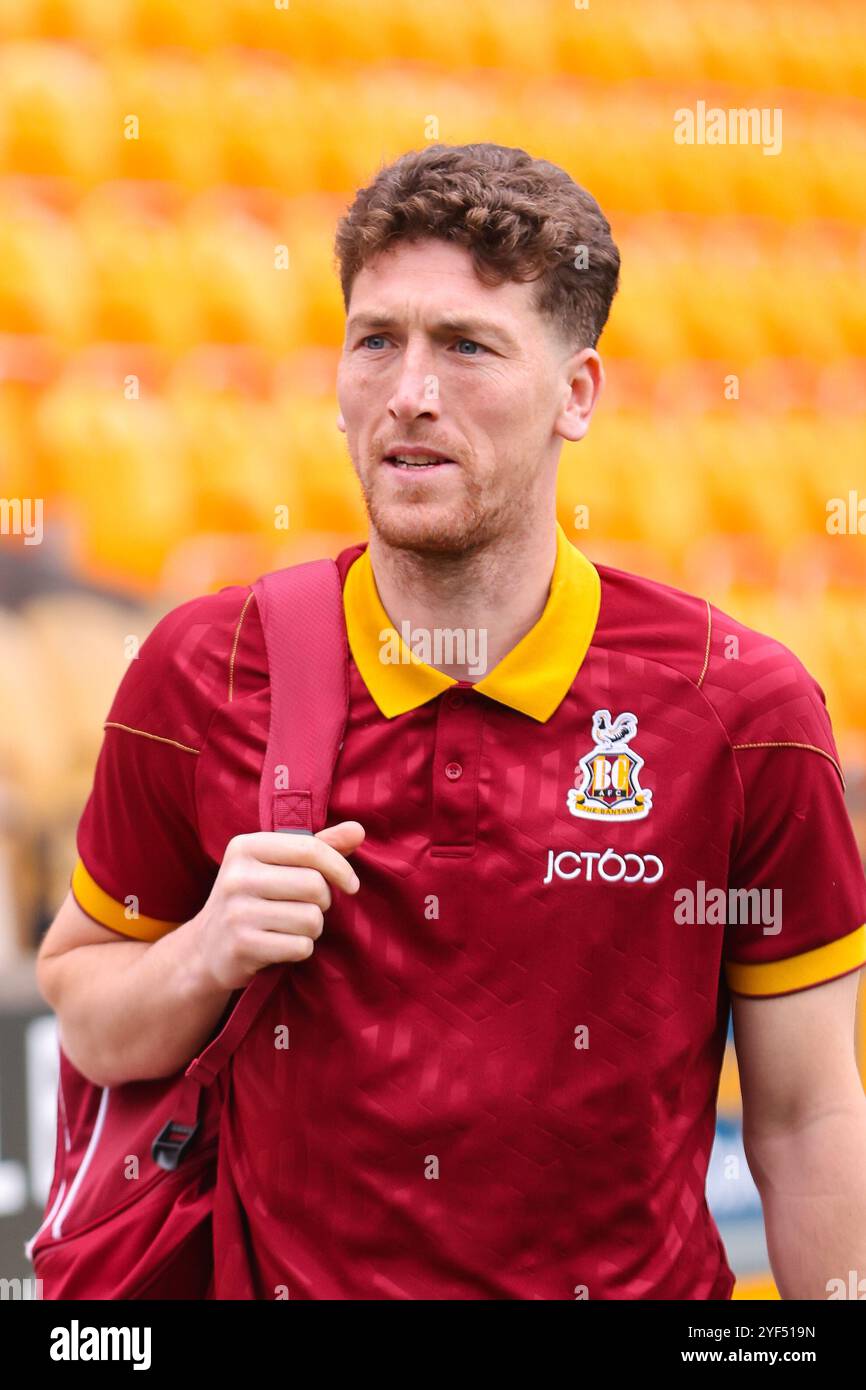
{"x":345,"y":837}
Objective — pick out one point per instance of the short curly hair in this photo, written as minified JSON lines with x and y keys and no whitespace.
{"x":520,"y":218}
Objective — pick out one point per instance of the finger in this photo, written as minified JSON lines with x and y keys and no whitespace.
{"x":288,"y":918}
{"x":304,"y":851}
{"x":279,"y":883}
{"x":346,"y":836}
{"x":275,"y":948}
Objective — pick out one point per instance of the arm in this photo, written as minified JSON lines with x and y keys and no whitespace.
{"x":127,"y":1010}
{"x":135,"y":1010}
{"x":804,"y":1132}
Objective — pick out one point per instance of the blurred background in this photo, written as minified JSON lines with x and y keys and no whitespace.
{"x":170,"y":320}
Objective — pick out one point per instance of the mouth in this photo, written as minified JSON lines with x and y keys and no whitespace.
{"x":411,"y":461}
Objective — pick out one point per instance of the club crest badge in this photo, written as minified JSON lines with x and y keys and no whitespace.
{"x":607,"y":779}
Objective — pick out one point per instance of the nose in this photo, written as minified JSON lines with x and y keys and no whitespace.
{"x":416,"y":392}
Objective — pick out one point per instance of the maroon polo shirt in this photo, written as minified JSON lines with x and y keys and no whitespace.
{"x":505,"y":1049}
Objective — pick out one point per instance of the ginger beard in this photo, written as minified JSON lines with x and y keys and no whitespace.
{"x":446,"y":510}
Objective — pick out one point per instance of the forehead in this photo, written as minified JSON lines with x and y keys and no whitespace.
{"x":428,"y":278}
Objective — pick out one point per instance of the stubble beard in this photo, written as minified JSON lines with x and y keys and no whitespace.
{"x":470,"y":523}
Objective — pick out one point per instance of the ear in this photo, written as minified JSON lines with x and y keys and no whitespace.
{"x":584,"y":376}
{"x":341,"y":424}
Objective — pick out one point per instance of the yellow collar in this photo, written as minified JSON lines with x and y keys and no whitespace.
{"x":533,"y":677}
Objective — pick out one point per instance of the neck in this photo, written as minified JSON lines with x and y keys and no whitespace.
{"x":480,"y":604}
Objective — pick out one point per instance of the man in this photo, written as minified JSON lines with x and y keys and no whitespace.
{"x":507,"y":1020}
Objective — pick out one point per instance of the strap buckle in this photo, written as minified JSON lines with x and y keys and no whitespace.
{"x":171,"y":1143}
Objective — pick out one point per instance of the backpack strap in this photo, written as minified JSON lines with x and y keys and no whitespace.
{"x":301,"y":610}
{"x":302,"y":616}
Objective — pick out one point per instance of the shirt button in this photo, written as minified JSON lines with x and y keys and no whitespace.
{"x":453,"y":770}
{"x":455,"y":701}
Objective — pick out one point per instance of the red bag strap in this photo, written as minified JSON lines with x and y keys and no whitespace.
{"x":301,"y":611}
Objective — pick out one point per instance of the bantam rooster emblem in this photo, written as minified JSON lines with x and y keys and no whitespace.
{"x":607,"y":779}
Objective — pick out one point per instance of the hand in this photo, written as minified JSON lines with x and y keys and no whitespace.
{"x":269,"y":900}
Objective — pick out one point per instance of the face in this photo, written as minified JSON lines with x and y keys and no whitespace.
{"x":436,"y":361}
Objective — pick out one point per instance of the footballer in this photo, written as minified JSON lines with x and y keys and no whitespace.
{"x":558,"y":810}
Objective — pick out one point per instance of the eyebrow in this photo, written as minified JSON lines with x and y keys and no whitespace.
{"x":466,"y":327}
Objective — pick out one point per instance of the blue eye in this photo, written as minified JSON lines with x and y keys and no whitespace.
{"x":380,"y":337}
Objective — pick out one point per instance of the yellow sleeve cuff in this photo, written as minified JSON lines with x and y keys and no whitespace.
{"x":776,"y":977}
{"x":109,"y":913}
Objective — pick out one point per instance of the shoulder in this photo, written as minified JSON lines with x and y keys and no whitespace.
{"x":759,"y":689}
{"x":199,"y":654}
{"x":653,"y":621}
{"x":204,"y":652}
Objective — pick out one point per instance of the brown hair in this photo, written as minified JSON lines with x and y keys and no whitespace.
{"x":520,"y":218}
